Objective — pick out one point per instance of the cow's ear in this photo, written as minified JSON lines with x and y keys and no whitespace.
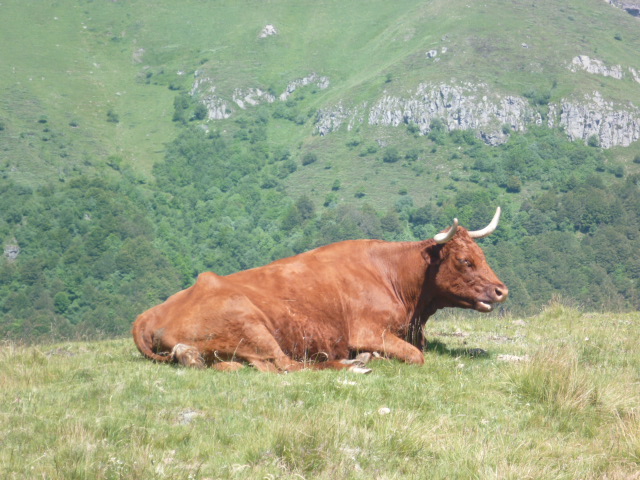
{"x":432,"y":253}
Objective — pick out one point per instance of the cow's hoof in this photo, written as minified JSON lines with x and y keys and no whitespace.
{"x":363,"y":358}
{"x":227,"y":366}
{"x":359,"y":369}
{"x":187,"y":355}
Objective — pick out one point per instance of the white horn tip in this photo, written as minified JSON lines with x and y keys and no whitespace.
{"x":489,"y":229}
{"x":444,"y":237}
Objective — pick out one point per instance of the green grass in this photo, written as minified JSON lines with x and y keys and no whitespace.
{"x":569,"y":410}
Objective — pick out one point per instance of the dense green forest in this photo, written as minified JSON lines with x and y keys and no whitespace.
{"x":97,"y":251}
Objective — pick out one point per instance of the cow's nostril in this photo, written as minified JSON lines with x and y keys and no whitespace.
{"x":501,"y":293}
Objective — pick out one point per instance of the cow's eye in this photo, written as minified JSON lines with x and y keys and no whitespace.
{"x":466,"y":262}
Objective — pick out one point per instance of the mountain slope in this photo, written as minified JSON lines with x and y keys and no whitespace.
{"x":144,"y":142}
{"x":74,"y":64}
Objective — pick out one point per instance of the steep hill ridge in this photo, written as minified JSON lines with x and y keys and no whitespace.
{"x":96,"y":75}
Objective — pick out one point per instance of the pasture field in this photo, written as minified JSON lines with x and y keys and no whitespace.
{"x":555,"y":396}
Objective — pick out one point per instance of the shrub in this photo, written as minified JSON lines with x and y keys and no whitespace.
{"x":413,"y":129}
{"x":412,"y":155}
{"x":309,"y":158}
{"x":593,"y":141}
{"x":112,"y":116}
{"x":390,"y":155}
{"x":537,"y":97}
{"x":330,"y":200}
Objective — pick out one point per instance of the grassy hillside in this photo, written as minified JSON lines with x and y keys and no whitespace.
{"x":555,"y":396}
{"x":69,"y":68}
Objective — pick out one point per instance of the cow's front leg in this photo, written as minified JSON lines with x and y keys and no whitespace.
{"x":388,"y":345}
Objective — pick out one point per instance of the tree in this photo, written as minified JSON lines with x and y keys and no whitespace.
{"x":305,"y":207}
{"x":200,"y":112}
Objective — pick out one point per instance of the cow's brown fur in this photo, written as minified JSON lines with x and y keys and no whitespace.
{"x":322,"y":305}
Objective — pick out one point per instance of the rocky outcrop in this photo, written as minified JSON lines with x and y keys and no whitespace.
{"x":460,"y":107}
{"x":204,"y":90}
{"x":251,"y":97}
{"x":613,"y":124}
{"x":219,"y":107}
{"x":331,"y":119}
{"x":591,"y":65}
{"x":11,"y":251}
{"x":268,"y":31}
{"x":629,"y":6}
{"x":320,"y":81}
{"x":473,"y":107}
{"x":463,"y":106}
{"x":598,"y":67}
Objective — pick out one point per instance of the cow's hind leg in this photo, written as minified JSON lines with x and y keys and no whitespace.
{"x":187,"y":355}
{"x":264,"y":353}
{"x":259,"y":348}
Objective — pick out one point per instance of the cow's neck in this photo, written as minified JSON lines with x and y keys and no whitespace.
{"x":407,"y":270}
{"x":428,"y":300}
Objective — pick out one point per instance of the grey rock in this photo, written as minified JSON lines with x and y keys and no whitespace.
{"x":613,"y":124}
{"x":11,"y":251}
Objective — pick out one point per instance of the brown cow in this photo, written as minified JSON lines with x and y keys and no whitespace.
{"x":356,"y":296}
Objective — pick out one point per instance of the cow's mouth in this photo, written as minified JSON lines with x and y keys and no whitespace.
{"x":484,"y":306}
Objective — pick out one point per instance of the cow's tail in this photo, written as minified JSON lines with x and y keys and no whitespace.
{"x":143,"y":340}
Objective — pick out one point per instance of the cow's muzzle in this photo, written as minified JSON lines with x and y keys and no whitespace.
{"x":494,"y":294}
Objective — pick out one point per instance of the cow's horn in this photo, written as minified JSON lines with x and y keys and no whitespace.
{"x":489,"y":229}
{"x":444,"y":237}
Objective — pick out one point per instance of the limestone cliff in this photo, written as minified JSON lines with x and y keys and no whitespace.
{"x":632,"y":7}
{"x":459,"y":106}
{"x":613,"y":124}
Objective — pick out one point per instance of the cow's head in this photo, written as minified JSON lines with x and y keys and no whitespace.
{"x":464,"y":278}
